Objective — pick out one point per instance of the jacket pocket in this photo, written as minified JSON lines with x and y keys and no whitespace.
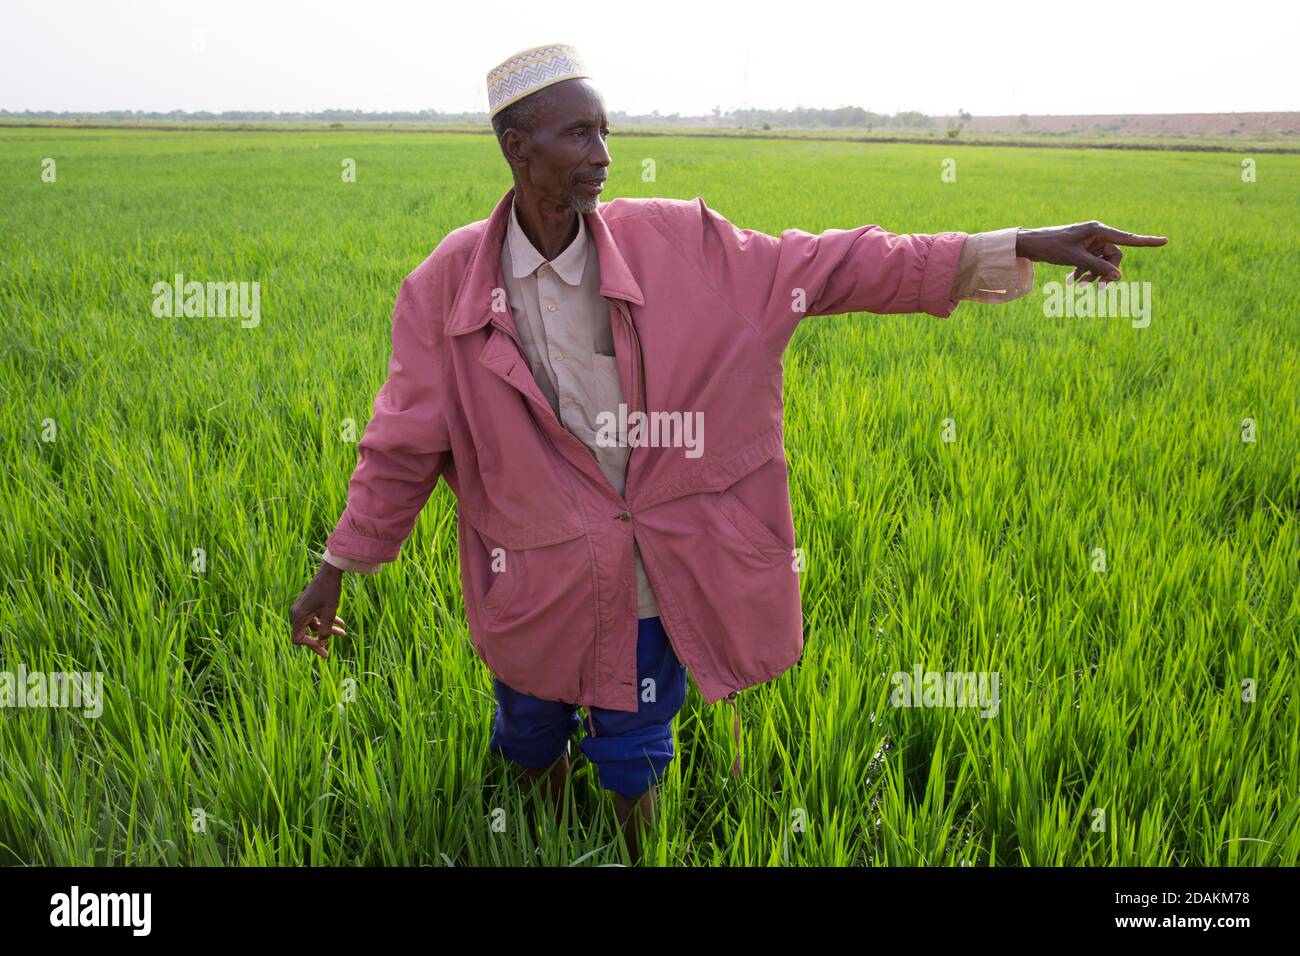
{"x":534,"y":626}
{"x":761,"y":538}
{"x":506,"y":567}
{"x":507,"y":579}
{"x":517,"y":572}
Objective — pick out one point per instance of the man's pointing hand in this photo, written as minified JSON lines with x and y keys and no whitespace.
{"x":1091,"y":247}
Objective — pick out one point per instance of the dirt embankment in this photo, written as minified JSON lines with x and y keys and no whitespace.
{"x":1138,"y":124}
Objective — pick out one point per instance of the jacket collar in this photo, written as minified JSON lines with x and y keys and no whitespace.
{"x":472,"y":307}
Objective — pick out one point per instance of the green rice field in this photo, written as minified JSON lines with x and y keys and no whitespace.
{"x":1105,"y":516}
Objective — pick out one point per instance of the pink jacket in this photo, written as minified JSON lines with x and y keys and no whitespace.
{"x":701,"y":313}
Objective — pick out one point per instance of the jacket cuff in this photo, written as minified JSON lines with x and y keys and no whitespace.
{"x":989,"y":269}
{"x":361,"y":548}
{"x":940,"y":271}
{"x":348,"y":564}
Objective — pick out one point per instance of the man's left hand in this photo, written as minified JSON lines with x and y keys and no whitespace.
{"x":1091,"y":247}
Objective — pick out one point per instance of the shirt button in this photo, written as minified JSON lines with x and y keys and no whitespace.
{"x":559,"y":356}
{"x":550,"y":308}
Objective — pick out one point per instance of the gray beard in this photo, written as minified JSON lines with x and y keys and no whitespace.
{"x":583,"y":204}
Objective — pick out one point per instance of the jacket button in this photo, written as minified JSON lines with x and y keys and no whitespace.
{"x":623,"y":516}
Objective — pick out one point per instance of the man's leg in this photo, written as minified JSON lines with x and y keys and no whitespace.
{"x":534,"y":734}
{"x":635,"y":814}
{"x":632,"y":750}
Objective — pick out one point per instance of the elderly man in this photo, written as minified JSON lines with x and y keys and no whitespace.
{"x":603,"y":560}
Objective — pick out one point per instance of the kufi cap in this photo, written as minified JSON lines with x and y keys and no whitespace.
{"x":531,"y":70}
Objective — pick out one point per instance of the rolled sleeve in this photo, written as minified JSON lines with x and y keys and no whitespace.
{"x":988,"y":269}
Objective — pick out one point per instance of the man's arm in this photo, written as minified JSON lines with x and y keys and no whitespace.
{"x":775,"y":281}
{"x":405,"y":446}
{"x":772,"y":282}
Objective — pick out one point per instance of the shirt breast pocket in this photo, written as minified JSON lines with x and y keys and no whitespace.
{"x":606,"y":386}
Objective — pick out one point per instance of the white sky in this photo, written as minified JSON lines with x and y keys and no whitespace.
{"x":1128,"y":56}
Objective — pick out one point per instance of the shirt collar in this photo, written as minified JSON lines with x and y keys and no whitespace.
{"x":524,"y":257}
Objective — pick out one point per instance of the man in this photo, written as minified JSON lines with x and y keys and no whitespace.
{"x":600,"y":563}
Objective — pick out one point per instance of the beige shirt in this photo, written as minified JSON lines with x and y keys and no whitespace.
{"x":563,"y":324}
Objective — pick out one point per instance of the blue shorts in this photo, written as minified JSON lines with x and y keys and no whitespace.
{"x":630,"y":751}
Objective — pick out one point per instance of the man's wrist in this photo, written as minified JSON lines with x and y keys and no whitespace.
{"x":1024,"y":243}
{"x":1030,"y":244}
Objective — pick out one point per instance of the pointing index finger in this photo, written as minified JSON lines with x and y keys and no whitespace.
{"x":1131,"y":239}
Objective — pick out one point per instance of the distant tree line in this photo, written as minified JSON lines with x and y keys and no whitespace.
{"x":844,"y":116}
{"x":800,"y":116}
{"x":323,"y":116}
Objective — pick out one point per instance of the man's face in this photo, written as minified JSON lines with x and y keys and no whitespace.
{"x":567,"y":158}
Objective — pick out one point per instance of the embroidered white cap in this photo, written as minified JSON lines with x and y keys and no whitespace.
{"x":530,"y":70}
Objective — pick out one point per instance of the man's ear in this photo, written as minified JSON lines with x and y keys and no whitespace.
{"x":514,"y":147}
